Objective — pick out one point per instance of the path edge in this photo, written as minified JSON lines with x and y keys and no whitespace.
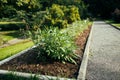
{"x":83,"y":67}
{"x":113,"y":26}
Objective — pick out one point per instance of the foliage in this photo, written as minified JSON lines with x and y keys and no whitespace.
{"x":54,"y":44}
{"x":77,"y":27}
{"x":60,"y":16}
{"x":8,"y":11}
{"x":29,"y":4}
{"x":78,"y":3}
{"x":72,"y":14}
{"x":11,"y":26}
{"x":102,"y":8}
{"x":16,"y":6}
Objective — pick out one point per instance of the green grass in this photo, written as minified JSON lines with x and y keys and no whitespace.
{"x":13,"y":49}
{"x":117,"y":25}
{"x":10,"y":22}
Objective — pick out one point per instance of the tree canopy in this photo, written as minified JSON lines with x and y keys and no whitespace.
{"x":102,"y":8}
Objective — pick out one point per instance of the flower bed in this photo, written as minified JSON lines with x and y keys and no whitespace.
{"x":28,"y":62}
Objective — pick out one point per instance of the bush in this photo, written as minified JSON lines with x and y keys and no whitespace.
{"x":60,"y":16}
{"x":12,"y":26}
{"x":8,"y":11}
{"x":54,"y":44}
{"x":72,"y":14}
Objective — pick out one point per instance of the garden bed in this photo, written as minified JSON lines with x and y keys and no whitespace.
{"x":29,"y":63}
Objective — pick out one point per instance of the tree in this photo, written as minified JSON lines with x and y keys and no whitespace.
{"x":102,"y":8}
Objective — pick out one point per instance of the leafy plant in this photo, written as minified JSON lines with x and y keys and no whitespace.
{"x":54,"y":44}
{"x":60,"y":16}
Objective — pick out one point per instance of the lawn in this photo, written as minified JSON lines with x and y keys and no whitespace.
{"x":10,"y":22}
{"x":13,"y":49}
{"x":117,"y":24}
{"x":5,"y":36}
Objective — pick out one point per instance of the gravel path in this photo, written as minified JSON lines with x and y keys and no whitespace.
{"x":104,"y":56}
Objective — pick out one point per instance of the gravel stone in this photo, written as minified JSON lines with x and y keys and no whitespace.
{"x":104,"y":55}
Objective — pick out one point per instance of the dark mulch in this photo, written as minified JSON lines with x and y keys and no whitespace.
{"x":29,"y":63}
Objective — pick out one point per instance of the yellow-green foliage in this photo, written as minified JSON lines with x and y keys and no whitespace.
{"x":73,"y":14}
{"x":60,"y":16}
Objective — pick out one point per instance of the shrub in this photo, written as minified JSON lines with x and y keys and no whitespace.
{"x":60,"y":16}
{"x":54,"y":44}
{"x":8,"y":11}
{"x":72,"y":14}
{"x":12,"y":26}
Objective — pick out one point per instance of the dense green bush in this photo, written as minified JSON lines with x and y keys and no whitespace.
{"x":12,"y":26}
{"x":8,"y":11}
{"x":60,"y":16}
{"x":72,"y":14}
{"x":54,"y":44}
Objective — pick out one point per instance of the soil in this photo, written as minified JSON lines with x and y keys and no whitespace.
{"x":29,"y":63}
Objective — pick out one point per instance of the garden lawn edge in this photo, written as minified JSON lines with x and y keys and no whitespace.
{"x":83,"y":67}
{"x":28,"y":75}
{"x":16,"y":55}
{"x":114,"y":26}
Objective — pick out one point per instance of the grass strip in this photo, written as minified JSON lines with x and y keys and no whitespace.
{"x":13,"y":49}
{"x":117,"y":25}
{"x":10,"y":22}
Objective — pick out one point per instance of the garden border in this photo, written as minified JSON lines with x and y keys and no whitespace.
{"x":83,"y":67}
{"x":16,"y":55}
{"x":27,"y":75}
{"x":81,"y":73}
